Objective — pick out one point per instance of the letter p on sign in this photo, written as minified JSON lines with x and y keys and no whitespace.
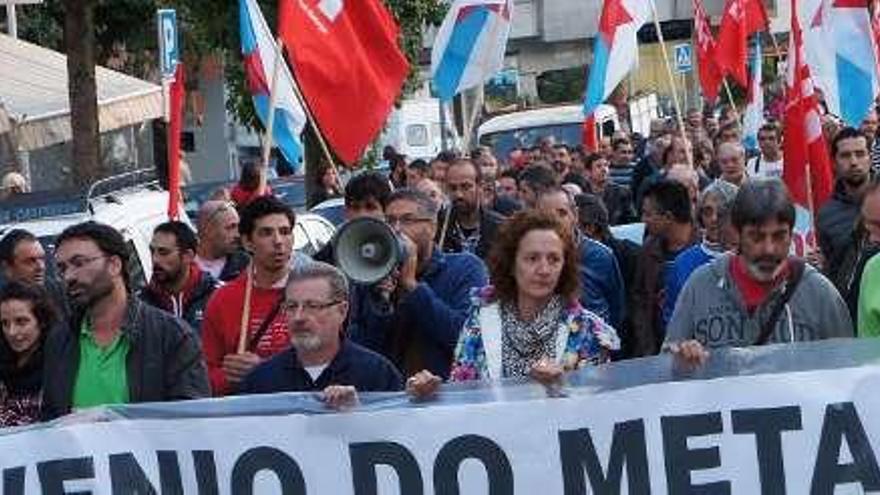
{"x":331,"y":8}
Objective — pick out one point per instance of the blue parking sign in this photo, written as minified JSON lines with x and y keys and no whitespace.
{"x":684,"y":58}
{"x":169,"y":49}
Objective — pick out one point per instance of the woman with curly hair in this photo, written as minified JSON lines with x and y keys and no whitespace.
{"x":26,"y":317}
{"x":529,"y":323}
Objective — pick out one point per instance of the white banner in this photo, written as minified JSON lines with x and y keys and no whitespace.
{"x":813,"y":432}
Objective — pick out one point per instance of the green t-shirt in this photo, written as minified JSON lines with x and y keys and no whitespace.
{"x":869,"y":299}
{"x":102,"y":377}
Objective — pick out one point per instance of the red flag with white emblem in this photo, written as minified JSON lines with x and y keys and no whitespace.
{"x":807,"y":161}
{"x":348,"y":64}
{"x":741,"y":19}
{"x":711,"y":76}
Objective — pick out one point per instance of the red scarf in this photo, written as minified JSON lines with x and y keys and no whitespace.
{"x":754,"y":292}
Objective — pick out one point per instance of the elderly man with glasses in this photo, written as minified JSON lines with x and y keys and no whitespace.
{"x":415,"y":315}
{"x":320,"y":357}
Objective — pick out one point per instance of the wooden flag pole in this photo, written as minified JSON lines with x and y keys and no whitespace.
{"x":270,"y":123}
{"x":246,"y":310}
{"x":730,"y":98}
{"x":672,"y":86}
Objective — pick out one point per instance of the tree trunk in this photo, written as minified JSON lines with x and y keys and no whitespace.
{"x":79,"y":42}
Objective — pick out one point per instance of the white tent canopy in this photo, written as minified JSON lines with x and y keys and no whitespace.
{"x":34,"y":93}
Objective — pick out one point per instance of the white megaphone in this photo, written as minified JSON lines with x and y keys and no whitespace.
{"x":367,"y":250}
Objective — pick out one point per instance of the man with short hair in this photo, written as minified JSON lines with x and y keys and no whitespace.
{"x":117,"y":350}
{"x":761,"y":294}
{"x":533,"y":181}
{"x":732,"y":162}
{"x":267,"y":233}
{"x":730,"y":132}
{"x":320,"y":357}
{"x":651,"y":163}
{"x":178,"y":285}
{"x":484,"y":157}
{"x":439,"y":165}
{"x":617,"y":199}
{"x":562,"y":160}
{"x":601,"y":281}
{"x":768,"y":163}
{"x":622,"y":164}
{"x":506,"y":185}
{"x":838,"y":215}
{"x":869,"y":127}
{"x":219,"y":252}
{"x":22,"y":258}
{"x":416,"y":171}
{"x":687,"y":176}
{"x":414,"y":317}
{"x":670,"y":229}
{"x":471,"y":227}
{"x":365,"y":196}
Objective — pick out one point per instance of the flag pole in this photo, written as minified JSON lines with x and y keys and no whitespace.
{"x":672,"y":86}
{"x":730,"y":98}
{"x":309,"y":117}
{"x":270,"y":122}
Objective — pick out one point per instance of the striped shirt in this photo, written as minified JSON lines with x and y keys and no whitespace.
{"x":622,"y":176}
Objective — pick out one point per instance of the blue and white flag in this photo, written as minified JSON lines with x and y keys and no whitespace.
{"x":470,"y":45}
{"x":754,"y":116}
{"x":258,"y":49}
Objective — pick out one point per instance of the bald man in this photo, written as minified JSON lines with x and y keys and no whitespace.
{"x":219,"y":252}
{"x":732,"y":162}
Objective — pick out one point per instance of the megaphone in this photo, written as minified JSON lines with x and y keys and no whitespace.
{"x":367,"y":250}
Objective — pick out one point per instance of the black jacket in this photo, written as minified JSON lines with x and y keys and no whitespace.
{"x":836,"y":220}
{"x":455,"y":239}
{"x":235,"y":264}
{"x":193,"y":311}
{"x":164,"y":361}
{"x":619,"y":203}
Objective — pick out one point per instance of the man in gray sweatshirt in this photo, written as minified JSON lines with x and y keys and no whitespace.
{"x":760,"y":295}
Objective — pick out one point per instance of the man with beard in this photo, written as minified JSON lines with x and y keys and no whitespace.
{"x":178,"y":285}
{"x":320,"y":357}
{"x":117,"y":349}
{"x":253,"y":300}
{"x":471,"y":227}
{"x":22,"y":258}
{"x":760,"y":295}
{"x":838,"y":215}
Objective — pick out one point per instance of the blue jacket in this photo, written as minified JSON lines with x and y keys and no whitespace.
{"x":353,"y":365}
{"x":602,"y":290}
{"x":684,"y":265}
{"x":421,"y":331}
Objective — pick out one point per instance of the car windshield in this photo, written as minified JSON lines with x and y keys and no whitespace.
{"x":503,"y":142}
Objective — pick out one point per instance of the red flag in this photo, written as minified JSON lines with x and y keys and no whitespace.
{"x":347,"y":62}
{"x":175,"y":126}
{"x":710,"y":74}
{"x":590,"y":139}
{"x":741,"y":18}
{"x":805,"y":153}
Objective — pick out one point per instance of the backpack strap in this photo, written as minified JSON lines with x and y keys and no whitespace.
{"x":796,"y":267}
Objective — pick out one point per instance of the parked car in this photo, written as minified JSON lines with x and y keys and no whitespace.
{"x":333,"y":210}
{"x":311,"y":233}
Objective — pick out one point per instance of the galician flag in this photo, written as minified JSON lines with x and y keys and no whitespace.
{"x":615,"y":48}
{"x":754,"y":116}
{"x":470,"y":45}
{"x":258,"y":49}
{"x":841,"y":51}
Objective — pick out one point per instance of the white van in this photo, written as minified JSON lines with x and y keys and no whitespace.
{"x":414,"y":129}
{"x":525,"y":129}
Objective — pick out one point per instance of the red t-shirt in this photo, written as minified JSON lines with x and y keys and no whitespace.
{"x":222,"y":324}
{"x":754,"y":292}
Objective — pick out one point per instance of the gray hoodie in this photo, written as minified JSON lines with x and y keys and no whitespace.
{"x":710,"y":309}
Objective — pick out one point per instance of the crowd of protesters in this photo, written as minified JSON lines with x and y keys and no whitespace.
{"x":513,"y":271}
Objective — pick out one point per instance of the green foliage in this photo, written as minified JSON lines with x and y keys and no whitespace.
{"x":126,"y":36}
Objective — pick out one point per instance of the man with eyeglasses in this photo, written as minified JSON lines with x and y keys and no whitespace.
{"x":471,"y":226}
{"x":414,"y":317}
{"x":178,"y":285}
{"x":253,"y":300}
{"x":117,"y":349}
{"x":219,"y":250}
{"x":320,"y":357}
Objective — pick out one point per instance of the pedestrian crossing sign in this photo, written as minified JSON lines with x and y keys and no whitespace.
{"x":684,"y":58}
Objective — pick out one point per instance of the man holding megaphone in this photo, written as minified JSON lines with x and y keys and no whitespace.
{"x":423,"y":293}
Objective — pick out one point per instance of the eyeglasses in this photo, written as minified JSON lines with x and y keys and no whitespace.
{"x":309,"y":307}
{"x":406,"y":220}
{"x":75,"y":264}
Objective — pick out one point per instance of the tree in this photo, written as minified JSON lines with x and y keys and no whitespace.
{"x":79,"y":39}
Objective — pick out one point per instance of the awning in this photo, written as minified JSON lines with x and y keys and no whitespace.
{"x":33,"y":90}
